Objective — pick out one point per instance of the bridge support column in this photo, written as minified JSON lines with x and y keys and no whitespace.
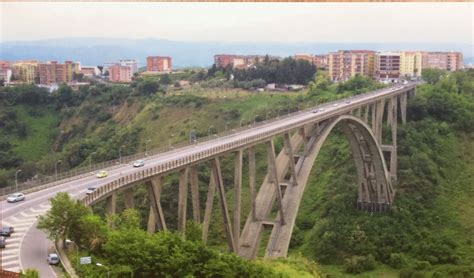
{"x":291,"y":157}
{"x":156,"y":216}
{"x":182,"y":199}
{"x":273,"y":177}
{"x":253,"y":193}
{"x":237,"y":197}
{"x":209,"y":203}
{"x":366,"y":114}
{"x":195,"y":194}
{"x":128,"y":198}
{"x":111,"y":204}
{"x":403,"y":107}
{"x":379,"y":120}
{"x":225,"y":212}
{"x":393,"y":122}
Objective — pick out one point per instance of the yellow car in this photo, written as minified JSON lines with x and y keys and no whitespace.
{"x":102,"y":174}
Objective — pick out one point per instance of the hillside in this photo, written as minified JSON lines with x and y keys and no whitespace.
{"x":428,"y":233}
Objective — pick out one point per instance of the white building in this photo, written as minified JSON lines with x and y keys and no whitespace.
{"x":6,"y":75}
{"x":133,"y":64}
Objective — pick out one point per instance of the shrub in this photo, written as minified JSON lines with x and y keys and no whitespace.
{"x":397,"y":260}
{"x":359,"y":264}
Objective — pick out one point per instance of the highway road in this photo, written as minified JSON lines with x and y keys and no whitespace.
{"x":28,"y":247}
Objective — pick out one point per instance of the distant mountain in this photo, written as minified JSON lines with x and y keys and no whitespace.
{"x":94,"y":51}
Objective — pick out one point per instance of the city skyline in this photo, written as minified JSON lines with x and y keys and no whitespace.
{"x":263,"y":22}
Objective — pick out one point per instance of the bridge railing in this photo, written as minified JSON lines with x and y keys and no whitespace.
{"x":175,"y":163}
{"x":80,"y":172}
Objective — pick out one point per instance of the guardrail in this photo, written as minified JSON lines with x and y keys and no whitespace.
{"x":77,"y":173}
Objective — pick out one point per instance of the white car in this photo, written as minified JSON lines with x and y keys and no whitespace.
{"x":53,"y":259}
{"x":318,"y":110}
{"x":335,"y":104}
{"x":16,"y":197}
{"x":139,"y":163}
{"x":90,"y":190}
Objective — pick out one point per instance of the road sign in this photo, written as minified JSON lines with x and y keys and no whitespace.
{"x":86,"y":260}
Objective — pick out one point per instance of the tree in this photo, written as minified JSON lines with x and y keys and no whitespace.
{"x":100,"y":68}
{"x":63,"y":220}
{"x":212,"y":71}
{"x":165,"y":79}
{"x":30,"y":273}
{"x":432,"y":75}
{"x":147,"y":87}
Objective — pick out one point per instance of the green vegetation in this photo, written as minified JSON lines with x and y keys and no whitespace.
{"x":428,"y":232}
{"x":119,"y":243}
{"x":29,"y":273}
{"x":286,"y":71}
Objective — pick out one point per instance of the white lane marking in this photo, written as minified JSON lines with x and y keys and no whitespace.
{"x":9,"y":265}
{"x":6,"y":258}
{"x":13,"y":239}
{"x":4,"y":223}
{"x":12,"y":245}
{"x":9,"y":252}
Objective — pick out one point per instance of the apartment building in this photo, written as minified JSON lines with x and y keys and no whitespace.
{"x":449,"y":61}
{"x":320,"y":61}
{"x":158,"y":64}
{"x":388,"y":66}
{"x":5,"y":71}
{"x":52,"y":72}
{"x":88,"y":71}
{"x":120,"y":73}
{"x":239,"y":61}
{"x":411,"y":63}
{"x":25,"y":71}
{"x":345,"y":64}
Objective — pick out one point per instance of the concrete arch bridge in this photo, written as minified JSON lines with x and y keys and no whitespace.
{"x":361,"y":119}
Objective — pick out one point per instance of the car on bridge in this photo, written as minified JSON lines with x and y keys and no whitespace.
{"x":3,"y":242}
{"x":102,"y":174}
{"x":16,"y":197}
{"x":90,"y":190}
{"x":139,"y":163}
{"x":6,"y":231}
{"x":318,"y":110}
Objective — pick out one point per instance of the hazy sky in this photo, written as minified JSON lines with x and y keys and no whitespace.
{"x":315,"y":22}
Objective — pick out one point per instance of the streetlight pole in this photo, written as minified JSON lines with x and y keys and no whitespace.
{"x":209,"y":130}
{"x":146,"y":146}
{"x":90,"y":160}
{"x":16,"y":178}
{"x":77,"y":251}
{"x":255,"y":119}
{"x":120,"y":154}
{"x":278,"y":113}
{"x":108,"y":270}
{"x":225,"y":126}
{"x":169,"y":140}
{"x":56,"y":168}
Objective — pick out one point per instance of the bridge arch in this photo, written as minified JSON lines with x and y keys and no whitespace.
{"x":374,"y":183}
{"x":375,"y":192}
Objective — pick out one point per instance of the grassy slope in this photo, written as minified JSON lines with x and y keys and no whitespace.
{"x":40,"y":130}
